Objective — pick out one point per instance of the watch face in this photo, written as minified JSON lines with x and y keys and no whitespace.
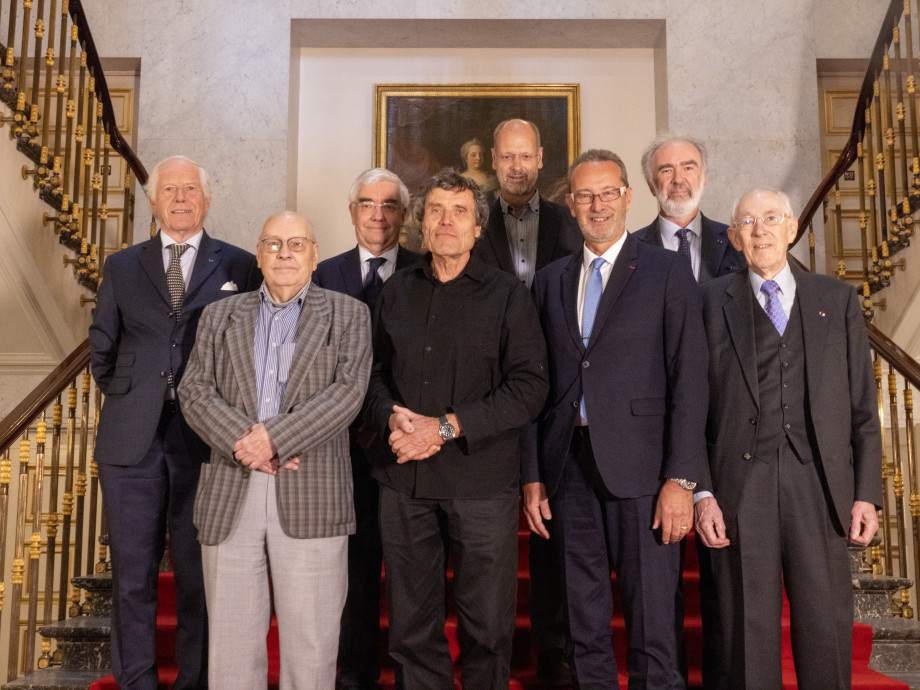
{"x":446,"y":430}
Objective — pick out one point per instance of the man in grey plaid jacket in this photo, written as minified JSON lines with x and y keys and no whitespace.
{"x":274,"y":380}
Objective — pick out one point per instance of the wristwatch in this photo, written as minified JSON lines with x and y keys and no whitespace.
{"x":685,"y":484}
{"x":446,"y":429}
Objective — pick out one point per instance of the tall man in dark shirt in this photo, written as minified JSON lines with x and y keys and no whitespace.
{"x":377,"y":202}
{"x":524,"y":233}
{"x":459,"y":367}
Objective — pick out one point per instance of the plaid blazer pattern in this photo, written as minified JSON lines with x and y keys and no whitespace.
{"x":326,"y":385}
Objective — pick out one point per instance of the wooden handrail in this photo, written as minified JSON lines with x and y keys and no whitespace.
{"x":17,"y":421}
{"x":118,"y":142}
{"x":848,"y":154}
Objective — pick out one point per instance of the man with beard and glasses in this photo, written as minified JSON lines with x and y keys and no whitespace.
{"x":675,"y":170}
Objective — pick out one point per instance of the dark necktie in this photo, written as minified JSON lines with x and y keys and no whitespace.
{"x":372,"y":281}
{"x":174,"y":279}
{"x":176,"y":285}
{"x":683,"y":243}
{"x":592,"y":299}
{"x":773,"y":308}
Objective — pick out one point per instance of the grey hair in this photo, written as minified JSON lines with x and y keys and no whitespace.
{"x":783,"y":197}
{"x":373,"y":176}
{"x":598,"y":156}
{"x":664,"y":140}
{"x":151,"y":187}
{"x":501,"y":125}
{"x":467,"y":145}
{"x":452,"y":181}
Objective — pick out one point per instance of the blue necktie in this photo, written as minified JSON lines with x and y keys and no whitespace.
{"x":773,"y":308}
{"x":592,"y":299}
{"x":683,"y":243}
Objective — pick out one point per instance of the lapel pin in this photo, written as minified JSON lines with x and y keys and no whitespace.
{"x":821,"y":313}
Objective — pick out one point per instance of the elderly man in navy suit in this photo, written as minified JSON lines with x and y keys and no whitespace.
{"x":616,"y":452}
{"x":794,"y":453}
{"x":675,"y":170}
{"x":377,"y":202}
{"x":143,"y":329}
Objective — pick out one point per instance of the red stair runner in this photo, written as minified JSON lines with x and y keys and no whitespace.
{"x":523,"y":665}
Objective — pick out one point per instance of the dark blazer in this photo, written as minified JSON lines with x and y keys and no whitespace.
{"x":342,"y":273}
{"x":643,"y":373}
{"x":135,"y":340}
{"x":717,"y":255}
{"x":557,"y":236}
{"x":842,"y":397}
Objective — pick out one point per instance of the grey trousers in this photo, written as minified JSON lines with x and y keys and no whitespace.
{"x":309,"y":578}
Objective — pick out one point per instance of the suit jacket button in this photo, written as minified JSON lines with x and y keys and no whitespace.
{"x":585,"y":365}
{"x":753,"y":420}
{"x":162,"y":374}
{"x":574,"y":403}
{"x":747,"y":456}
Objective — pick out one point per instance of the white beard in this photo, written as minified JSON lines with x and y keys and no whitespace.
{"x":673,"y":208}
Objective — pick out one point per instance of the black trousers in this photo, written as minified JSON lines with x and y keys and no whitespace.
{"x":481,"y":536}
{"x":142,"y":502}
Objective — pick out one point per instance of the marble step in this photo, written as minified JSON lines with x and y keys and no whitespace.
{"x":83,"y":642}
{"x":895,"y":645}
{"x":56,"y":679}
{"x":872,"y":595}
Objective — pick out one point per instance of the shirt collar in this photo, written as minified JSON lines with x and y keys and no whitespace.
{"x":194,"y":241}
{"x":668,"y":228}
{"x":265,"y":298}
{"x":389,"y":254}
{"x":474,"y":268}
{"x":784,"y":279}
{"x":533,"y":204}
{"x":610,"y":256}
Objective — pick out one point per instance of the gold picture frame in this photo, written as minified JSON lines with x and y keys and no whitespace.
{"x":420,"y":128}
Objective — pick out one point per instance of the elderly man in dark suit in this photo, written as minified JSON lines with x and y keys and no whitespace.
{"x":617,"y":450}
{"x":377,"y":202}
{"x":143,"y":329}
{"x":274,"y":380}
{"x":675,"y":170}
{"x":794,"y":453}
{"x":524,"y":233}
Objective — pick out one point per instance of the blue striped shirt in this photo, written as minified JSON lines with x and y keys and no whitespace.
{"x":274,"y":348}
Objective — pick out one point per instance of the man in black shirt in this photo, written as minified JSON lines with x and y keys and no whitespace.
{"x":459,"y":367}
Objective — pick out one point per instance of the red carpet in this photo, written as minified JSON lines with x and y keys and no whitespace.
{"x":523,"y":670}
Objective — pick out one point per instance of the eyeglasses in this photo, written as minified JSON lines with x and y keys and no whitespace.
{"x":368,"y":207}
{"x":525,"y":158}
{"x":296,"y":244}
{"x":607,"y":196}
{"x":750,"y":221}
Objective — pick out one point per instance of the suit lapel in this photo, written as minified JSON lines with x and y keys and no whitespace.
{"x":241,"y":349}
{"x":497,"y":238}
{"x":569,"y":293}
{"x":712,"y":250}
{"x":351,"y":274}
{"x":404,"y":258}
{"x":206,"y":260}
{"x":808,"y":296}
{"x":739,"y":320}
{"x":152,"y":263}
{"x":626,"y":263}
{"x":547,"y":234}
{"x":312,"y":329}
{"x":653,"y":236}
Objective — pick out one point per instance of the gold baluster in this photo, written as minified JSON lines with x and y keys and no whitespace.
{"x":889,"y":155}
{"x":35,"y":543}
{"x":17,"y":574}
{"x":5,"y":472}
{"x":21,"y":116}
{"x":8,"y":74}
{"x":80,"y":488}
{"x":911,"y":91}
{"x":880,"y":172}
{"x":51,"y":522}
{"x":886,"y":470}
{"x":57,"y":183}
{"x":898,"y":485}
{"x":67,"y":501}
{"x":863,"y":223}
{"x":838,"y":226}
{"x":912,"y":468}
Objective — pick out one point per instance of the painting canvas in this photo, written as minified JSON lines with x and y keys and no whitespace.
{"x":420,"y":129}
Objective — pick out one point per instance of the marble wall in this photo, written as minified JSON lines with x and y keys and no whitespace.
{"x":221,"y":84}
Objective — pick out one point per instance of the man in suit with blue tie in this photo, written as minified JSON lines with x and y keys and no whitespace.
{"x":274,"y":381}
{"x":616,"y":452}
{"x":794,"y":454}
{"x":143,"y":329}
{"x":675,"y":170}
{"x":377,"y":202}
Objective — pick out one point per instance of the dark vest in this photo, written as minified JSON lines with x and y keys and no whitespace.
{"x":782,"y":387}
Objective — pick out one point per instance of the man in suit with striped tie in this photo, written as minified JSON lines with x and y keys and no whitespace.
{"x":143,"y":329}
{"x":377,"y":202}
{"x":273,"y":383}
